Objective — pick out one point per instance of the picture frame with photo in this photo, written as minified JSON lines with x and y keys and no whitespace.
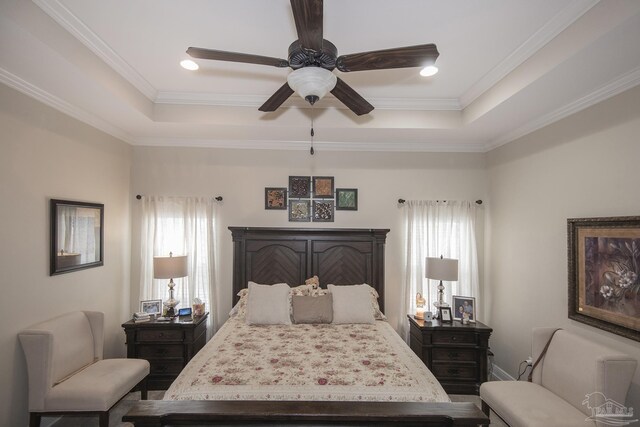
{"x":323,"y":211}
{"x":299,"y":187}
{"x":299,"y":210}
{"x":464,"y":308}
{"x":445,"y":315}
{"x":323,"y":187}
{"x":346,"y":199}
{"x":275,"y":198}
{"x":151,"y":306}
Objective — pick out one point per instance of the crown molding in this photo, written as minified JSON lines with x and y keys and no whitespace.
{"x":63,"y":16}
{"x":615,"y":87}
{"x":436,"y":146}
{"x":563,"y":19}
{"x":212,"y":99}
{"x":53,"y":101}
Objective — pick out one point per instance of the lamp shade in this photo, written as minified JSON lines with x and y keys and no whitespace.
{"x":169,"y":267}
{"x":312,"y":81}
{"x":441,"y":269}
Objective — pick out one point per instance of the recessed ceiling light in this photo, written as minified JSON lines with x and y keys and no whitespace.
{"x":189,"y":65}
{"x":429,"y":71}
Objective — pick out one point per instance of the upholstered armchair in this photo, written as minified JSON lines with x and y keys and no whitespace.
{"x":67,"y":374}
{"x":573,"y":380}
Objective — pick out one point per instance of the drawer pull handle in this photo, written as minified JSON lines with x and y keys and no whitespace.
{"x":454,"y":338}
{"x":453,"y":355}
{"x":161,"y":368}
{"x":453,"y":371}
{"x":161,"y":351}
{"x":161,"y":334}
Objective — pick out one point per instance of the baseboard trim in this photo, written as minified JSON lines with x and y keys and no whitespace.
{"x":500,"y":374}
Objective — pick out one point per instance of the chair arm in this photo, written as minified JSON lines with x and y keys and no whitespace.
{"x":96,"y":322}
{"x":38,"y":350}
{"x":614,"y":374}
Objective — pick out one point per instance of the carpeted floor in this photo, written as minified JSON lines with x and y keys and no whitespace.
{"x":123,"y":406}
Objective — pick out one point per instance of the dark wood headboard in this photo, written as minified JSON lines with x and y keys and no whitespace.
{"x":339,"y":256}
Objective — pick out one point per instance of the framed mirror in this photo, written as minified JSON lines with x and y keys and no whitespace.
{"x":77,"y":236}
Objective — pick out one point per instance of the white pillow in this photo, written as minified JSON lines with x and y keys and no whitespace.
{"x":268,"y":304}
{"x":351,"y":304}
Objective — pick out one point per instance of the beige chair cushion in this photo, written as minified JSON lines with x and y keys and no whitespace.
{"x":525,"y":404}
{"x":98,"y":386}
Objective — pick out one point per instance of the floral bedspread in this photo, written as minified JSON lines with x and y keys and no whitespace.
{"x":354,"y":362}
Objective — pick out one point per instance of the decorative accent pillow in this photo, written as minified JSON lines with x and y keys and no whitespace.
{"x":268,"y":304}
{"x":240,"y":309}
{"x":351,"y":304}
{"x":377,"y":314}
{"x":310,"y":309}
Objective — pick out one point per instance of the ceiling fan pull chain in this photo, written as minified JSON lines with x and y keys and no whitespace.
{"x":311,"y":151}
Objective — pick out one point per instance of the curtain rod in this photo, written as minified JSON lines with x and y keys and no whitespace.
{"x":218,"y":198}
{"x":402,"y":201}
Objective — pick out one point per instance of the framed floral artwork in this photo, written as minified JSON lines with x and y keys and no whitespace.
{"x":323,"y":211}
{"x":299,"y":187}
{"x":346,"y":199}
{"x":299,"y":210}
{"x":275,"y":198}
{"x":323,"y":187}
{"x":604,"y":270}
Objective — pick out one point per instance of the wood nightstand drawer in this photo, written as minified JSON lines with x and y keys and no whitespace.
{"x":155,"y":335}
{"x":454,"y":354}
{"x":453,"y":338}
{"x":168,"y":346}
{"x":446,"y":371}
{"x":165,"y":350}
{"x":166,"y":367}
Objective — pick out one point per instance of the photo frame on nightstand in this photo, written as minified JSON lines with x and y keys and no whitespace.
{"x":445,"y":315}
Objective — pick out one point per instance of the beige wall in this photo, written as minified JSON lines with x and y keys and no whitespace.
{"x":240,"y":176}
{"x":583,"y":166}
{"x":45,"y":154}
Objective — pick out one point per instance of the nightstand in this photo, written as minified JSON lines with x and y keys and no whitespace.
{"x":455,"y":353}
{"x":168,"y":346}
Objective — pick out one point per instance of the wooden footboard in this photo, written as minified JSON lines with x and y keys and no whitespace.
{"x":292,"y":413}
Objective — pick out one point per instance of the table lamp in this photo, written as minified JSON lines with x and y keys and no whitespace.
{"x":441,"y":269}
{"x":169,"y":268}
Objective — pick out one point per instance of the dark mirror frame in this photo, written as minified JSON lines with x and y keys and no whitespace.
{"x":53,"y":207}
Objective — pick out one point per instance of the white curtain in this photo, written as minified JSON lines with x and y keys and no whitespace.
{"x":435,"y":228}
{"x":183,"y":226}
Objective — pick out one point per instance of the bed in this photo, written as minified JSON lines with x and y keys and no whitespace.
{"x":299,"y":374}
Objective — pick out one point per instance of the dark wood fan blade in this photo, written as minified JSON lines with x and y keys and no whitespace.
{"x":220,"y":55}
{"x":401,"y":57}
{"x":277,"y":98}
{"x":351,"y":98}
{"x":308,"y":17}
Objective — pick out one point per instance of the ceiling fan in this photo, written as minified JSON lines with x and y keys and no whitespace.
{"x":313,"y":58}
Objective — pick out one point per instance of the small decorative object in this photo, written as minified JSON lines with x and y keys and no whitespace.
{"x":441,"y":269}
{"x":445,"y":315}
{"x":170,"y":268}
{"x":151,"y":306}
{"x":420,"y":303}
{"x":299,"y":187}
{"x":323,"y":187}
{"x":604,"y":273}
{"x":77,"y":236}
{"x":428,"y":316}
{"x":347,"y":199}
{"x":299,"y":210}
{"x":464,"y":307}
{"x":198,"y":307}
{"x":275,"y":198}
{"x":323,"y":211}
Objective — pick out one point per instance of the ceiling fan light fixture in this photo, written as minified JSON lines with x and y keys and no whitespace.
{"x":188,"y":64}
{"x":429,"y":71}
{"x":312,"y":83}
